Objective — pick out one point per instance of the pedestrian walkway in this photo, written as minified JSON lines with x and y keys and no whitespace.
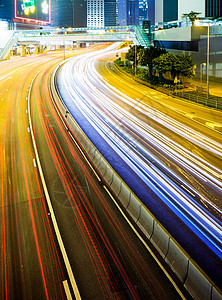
{"x":215,"y":84}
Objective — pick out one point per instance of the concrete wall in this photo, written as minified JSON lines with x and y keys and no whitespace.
{"x":191,"y":33}
{"x":158,"y":11}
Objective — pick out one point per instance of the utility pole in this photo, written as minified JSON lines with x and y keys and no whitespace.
{"x":64,"y":45}
{"x":135,"y":60}
{"x":208,"y":58}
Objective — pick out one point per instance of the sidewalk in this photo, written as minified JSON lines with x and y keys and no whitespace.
{"x":215,"y":84}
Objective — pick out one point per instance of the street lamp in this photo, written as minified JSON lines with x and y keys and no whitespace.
{"x":208,"y":57}
{"x":135,"y":59}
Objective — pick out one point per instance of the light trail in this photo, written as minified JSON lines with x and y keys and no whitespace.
{"x":133,"y":138}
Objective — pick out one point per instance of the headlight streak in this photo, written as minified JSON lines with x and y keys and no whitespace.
{"x":104,"y":115}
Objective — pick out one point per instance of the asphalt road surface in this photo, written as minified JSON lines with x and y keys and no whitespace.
{"x":106,"y":257}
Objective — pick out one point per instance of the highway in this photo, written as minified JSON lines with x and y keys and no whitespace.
{"x":105,"y":256}
{"x":153,"y":143}
{"x":30,"y":260}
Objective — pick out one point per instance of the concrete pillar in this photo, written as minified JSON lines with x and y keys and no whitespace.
{"x":23,"y":49}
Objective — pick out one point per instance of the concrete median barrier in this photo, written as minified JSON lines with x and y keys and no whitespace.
{"x":115,"y":184}
{"x":134,"y":207}
{"x":160,"y":239}
{"x":197,"y":285}
{"x":177,"y":260}
{"x":124,"y":195}
{"x":146,"y":222}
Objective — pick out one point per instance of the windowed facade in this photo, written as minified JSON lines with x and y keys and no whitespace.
{"x":213,"y":8}
{"x":95,"y":13}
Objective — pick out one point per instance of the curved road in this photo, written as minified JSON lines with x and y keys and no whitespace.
{"x":107,"y":259}
{"x":175,"y":157}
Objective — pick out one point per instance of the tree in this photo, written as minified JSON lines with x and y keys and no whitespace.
{"x":175,"y":64}
{"x":147,"y":55}
{"x":192,"y":16}
{"x":163,"y":63}
{"x":187,"y":65}
{"x":130,"y":55}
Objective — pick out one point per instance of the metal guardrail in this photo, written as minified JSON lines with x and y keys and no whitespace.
{"x":142,"y":37}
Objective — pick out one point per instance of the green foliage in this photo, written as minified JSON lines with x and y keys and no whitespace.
{"x":147,"y":55}
{"x":175,"y":64}
{"x":192,"y":16}
{"x":120,"y":62}
{"x":129,"y":70}
{"x":130,"y":55}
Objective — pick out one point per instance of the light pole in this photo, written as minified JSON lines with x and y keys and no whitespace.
{"x":208,"y":57}
{"x":135,"y":60}
{"x":64,"y":45}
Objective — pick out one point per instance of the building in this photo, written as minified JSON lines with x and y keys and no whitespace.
{"x":7,"y":10}
{"x":143,"y":11}
{"x":127,"y":12}
{"x":110,"y":16}
{"x":172,"y":10}
{"x":69,"y":13}
{"x":151,"y":11}
{"x":101,"y":13}
{"x":21,"y":13}
{"x":95,"y":13}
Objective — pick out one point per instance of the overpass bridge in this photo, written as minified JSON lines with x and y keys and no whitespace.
{"x":134,"y":33}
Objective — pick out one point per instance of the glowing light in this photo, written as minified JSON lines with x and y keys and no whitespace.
{"x":28,"y":6}
{"x":45,"y":7}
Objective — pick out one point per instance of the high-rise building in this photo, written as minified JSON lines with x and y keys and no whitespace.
{"x":95,"y":13}
{"x":69,"y":13}
{"x":101,"y":13}
{"x":143,"y":11}
{"x":151,"y":11}
{"x":128,"y":12}
{"x":7,"y":10}
{"x":172,"y":10}
{"x":110,"y":16}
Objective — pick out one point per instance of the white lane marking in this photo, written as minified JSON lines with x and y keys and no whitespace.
{"x":54,"y":222}
{"x":34,"y":163}
{"x":28,"y":129}
{"x":67,"y":290}
{"x":2,"y":92}
{"x":26,"y":111}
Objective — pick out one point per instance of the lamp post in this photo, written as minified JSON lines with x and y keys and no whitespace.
{"x":135,"y":60}
{"x":208,"y":57}
{"x":64,"y":45}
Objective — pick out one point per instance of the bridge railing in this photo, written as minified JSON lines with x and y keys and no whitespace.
{"x":8,"y":46}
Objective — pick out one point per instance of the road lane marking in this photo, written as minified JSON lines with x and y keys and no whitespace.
{"x":28,"y":129}
{"x":34,"y":163}
{"x":48,"y":200}
{"x":67,"y":290}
